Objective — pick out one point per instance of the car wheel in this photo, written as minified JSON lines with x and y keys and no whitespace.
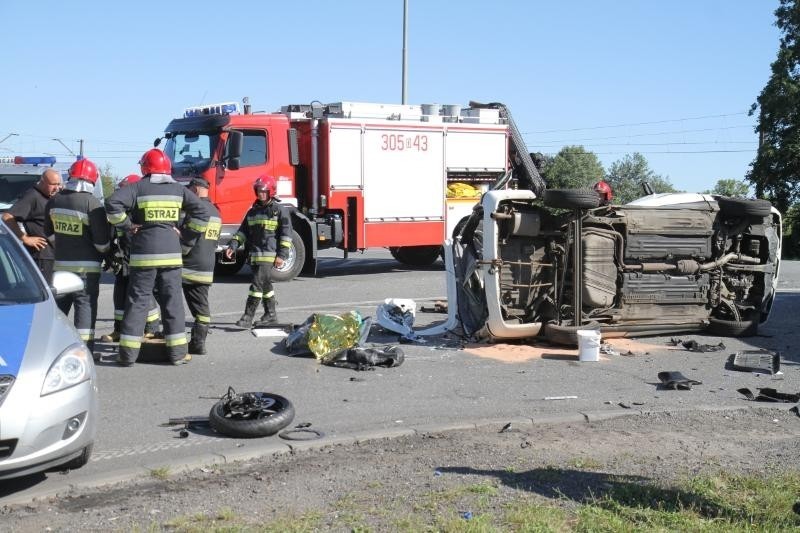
{"x":744,"y":207}
{"x":416,"y":255}
{"x":571,"y":198}
{"x":733,"y":328}
{"x":79,"y":461}
{"x":294,"y":261}
{"x":269,"y":421}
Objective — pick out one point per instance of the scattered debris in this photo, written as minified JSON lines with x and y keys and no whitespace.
{"x":624,"y":405}
{"x":439,"y":306}
{"x":505,"y":428}
{"x":301,"y":433}
{"x":795,"y":410}
{"x":607,"y":349}
{"x":769,"y":395}
{"x":397,"y":315}
{"x":437,"y":473}
{"x":369,"y":358}
{"x":761,"y":361}
{"x":525,"y":444}
{"x":270,"y":332}
{"x":694,"y":346}
{"x":676,"y":381}
{"x":466,"y":515}
{"x":183,"y":434}
{"x":328,"y":336}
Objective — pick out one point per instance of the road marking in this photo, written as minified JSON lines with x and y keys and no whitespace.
{"x":100,"y":455}
{"x":335,"y":305}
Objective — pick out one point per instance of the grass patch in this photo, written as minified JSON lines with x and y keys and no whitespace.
{"x":719,"y":503}
{"x":584,"y":463}
{"x":160,"y":473}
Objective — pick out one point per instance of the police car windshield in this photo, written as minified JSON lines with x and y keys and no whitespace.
{"x":13,"y":186}
{"x":19,"y":282}
{"x":190,"y":153}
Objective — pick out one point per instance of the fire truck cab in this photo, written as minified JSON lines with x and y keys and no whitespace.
{"x":356,"y":175}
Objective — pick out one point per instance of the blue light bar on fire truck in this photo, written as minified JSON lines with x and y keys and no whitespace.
{"x":19,"y":160}
{"x":225,"y":108}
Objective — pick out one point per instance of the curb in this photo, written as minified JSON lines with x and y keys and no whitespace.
{"x":228,"y":456}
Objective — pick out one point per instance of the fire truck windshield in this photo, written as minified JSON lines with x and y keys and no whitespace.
{"x":190,"y":153}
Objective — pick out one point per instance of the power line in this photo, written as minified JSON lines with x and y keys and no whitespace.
{"x":638,"y":123}
{"x":628,"y":136}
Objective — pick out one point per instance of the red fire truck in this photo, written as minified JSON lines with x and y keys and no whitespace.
{"x":357,"y":175}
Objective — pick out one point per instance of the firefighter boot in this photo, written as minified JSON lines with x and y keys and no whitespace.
{"x":197,"y":344}
{"x":114,"y":335}
{"x":270,"y":316}
{"x":246,"y":321}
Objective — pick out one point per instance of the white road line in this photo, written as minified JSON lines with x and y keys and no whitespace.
{"x":335,"y":305}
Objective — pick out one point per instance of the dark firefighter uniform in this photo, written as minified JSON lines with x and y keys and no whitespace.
{"x":81,"y":233}
{"x":267,"y":230}
{"x":151,"y":209}
{"x":198,"y":269}
{"x":120,"y":247}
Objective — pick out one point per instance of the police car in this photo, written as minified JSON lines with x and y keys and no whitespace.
{"x":48,"y":385}
{"x":18,"y":174}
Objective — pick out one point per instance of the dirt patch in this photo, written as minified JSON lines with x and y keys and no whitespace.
{"x":518,"y":353}
{"x":380,"y":481}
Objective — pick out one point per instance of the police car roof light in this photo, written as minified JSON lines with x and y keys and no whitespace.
{"x":48,"y":160}
{"x":224,"y":108}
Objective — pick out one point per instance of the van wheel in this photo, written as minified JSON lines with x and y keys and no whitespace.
{"x":744,"y":207}
{"x":294,"y":261}
{"x":416,"y":255}
{"x":571,"y":198}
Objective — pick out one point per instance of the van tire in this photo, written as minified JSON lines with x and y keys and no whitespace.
{"x":732,"y":328}
{"x":744,"y":207}
{"x":571,"y":198}
{"x":294,"y":263}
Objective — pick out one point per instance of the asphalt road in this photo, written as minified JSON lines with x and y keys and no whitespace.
{"x":439,"y":386}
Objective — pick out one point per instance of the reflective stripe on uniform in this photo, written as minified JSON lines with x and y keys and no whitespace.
{"x":160,"y":207}
{"x":130,"y":341}
{"x":118,"y":314}
{"x":59,"y":213}
{"x":86,"y":334}
{"x":197,"y":276}
{"x":255,"y":294}
{"x":116,"y":218}
{"x":286,"y":242}
{"x":269,"y":295}
{"x":197,"y":225}
{"x":156,"y":260}
{"x":103,"y":248}
{"x":239,"y":237}
{"x":263,"y":220}
{"x":77,"y":266}
{"x":176,"y":339}
{"x":154,"y":314}
{"x":203,"y":319}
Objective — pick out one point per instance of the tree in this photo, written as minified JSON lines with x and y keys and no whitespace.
{"x":730,"y":187}
{"x":573,"y":168}
{"x":627,"y":175}
{"x":108,"y":179}
{"x":775,"y":171}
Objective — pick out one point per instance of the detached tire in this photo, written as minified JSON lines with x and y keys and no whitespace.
{"x":269,"y":422}
{"x":571,"y":198}
{"x":416,"y":255}
{"x":294,"y":262}
{"x":744,"y":207}
{"x":733,"y":328}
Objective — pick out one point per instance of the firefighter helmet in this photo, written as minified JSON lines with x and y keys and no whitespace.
{"x":83,"y":169}
{"x":267,"y":184}
{"x":129,"y":180}
{"x":154,"y":161}
{"x":603,"y":190}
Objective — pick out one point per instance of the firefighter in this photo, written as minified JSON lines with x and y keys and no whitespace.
{"x":76,"y":222}
{"x":120,"y":246}
{"x":603,"y":190}
{"x":267,"y":230}
{"x":198,"y":265}
{"x":149,"y":210}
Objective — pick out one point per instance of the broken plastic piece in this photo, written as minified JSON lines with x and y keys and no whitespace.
{"x":764,"y":361}
{"x":769,"y":395}
{"x":676,"y":381}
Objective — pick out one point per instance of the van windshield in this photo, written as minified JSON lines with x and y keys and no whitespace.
{"x":190,"y":153}
{"x":13,"y":186}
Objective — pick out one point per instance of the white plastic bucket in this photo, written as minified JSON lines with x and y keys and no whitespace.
{"x":589,"y":345}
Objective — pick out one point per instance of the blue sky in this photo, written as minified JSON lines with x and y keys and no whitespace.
{"x":672,"y":79}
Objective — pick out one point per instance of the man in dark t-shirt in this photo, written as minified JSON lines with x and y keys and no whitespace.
{"x":26,"y":220}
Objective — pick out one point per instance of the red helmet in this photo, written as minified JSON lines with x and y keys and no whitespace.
{"x":603,"y":190}
{"x":266,"y":184}
{"x":83,"y":169}
{"x":154,"y":161}
{"x":129,"y":179}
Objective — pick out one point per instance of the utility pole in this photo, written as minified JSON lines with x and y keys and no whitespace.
{"x":80,"y":151}
{"x":405,"y":48}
